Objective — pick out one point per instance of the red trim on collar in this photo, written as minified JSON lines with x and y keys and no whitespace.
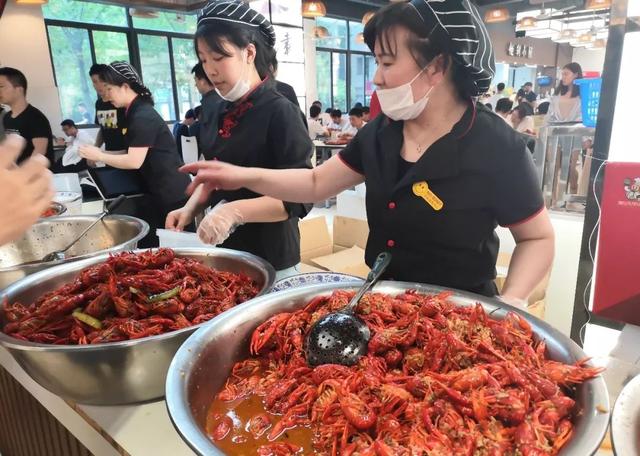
{"x":126,"y":112}
{"x":473,"y":120}
{"x":246,"y":97}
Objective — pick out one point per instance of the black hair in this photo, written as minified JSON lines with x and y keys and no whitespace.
{"x":504,"y":105}
{"x":15,"y":77}
{"x":190,"y":114}
{"x":241,"y":36}
{"x":524,"y":110}
{"x":543,"y":108}
{"x":575,"y":68}
{"x":500,"y":86}
{"x":366,"y":110}
{"x":317,"y":102}
{"x":424,"y":45}
{"x":198,"y":72}
{"x":356,"y":112}
{"x":112,"y":77}
{"x":528,"y":84}
{"x":328,"y":110}
{"x":336,"y":113}
{"x":97,"y":69}
{"x":314,"y":111}
{"x":68,"y":123}
{"x":197,"y":111}
{"x":358,"y":105}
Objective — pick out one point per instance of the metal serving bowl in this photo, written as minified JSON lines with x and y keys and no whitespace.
{"x":204,"y":362}
{"x":114,"y":234}
{"x":118,"y":372}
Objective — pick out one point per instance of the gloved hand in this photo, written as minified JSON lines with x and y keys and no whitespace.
{"x":218,"y":225}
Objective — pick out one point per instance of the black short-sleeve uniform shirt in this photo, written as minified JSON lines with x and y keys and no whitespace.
{"x":112,"y":123}
{"x":265,"y":130}
{"x":30,"y":123}
{"x":482,"y":173}
{"x":145,"y":128}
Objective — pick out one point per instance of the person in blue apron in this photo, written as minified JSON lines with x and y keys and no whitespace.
{"x":258,"y":128}
{"x":442,"y":171}
{"x":151,"y":149}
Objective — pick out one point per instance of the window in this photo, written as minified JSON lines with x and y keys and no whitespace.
{"x":70,"y":50}
{"x":167,"y":22}
{"x":156,"y":72}
{"x":184,"y":59}
{"x":82,"y":33}
{"x":344,"y":65}
{"x":110,"y":46}
{"x":88,"y":12}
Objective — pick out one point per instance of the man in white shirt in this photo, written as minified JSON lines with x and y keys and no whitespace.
{"x":325,"y":117}
{"x":314,"y":123}
{"x":71,"y":160}
{"x":497,"y":96}
{"x":356,"y":122}
{"x":503,"y":108}
{"x":337,"y":122}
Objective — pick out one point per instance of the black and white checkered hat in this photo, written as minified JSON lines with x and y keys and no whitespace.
{"x":125,"y":70}
{"x":469,"y":37}
{"x":239,"y":12}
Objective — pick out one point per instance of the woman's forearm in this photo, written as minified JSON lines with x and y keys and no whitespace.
{"x":261,"y":210}
{"x":530,"y":263}
{"x":124,"y":161}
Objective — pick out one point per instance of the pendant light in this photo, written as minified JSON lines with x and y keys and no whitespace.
{"x":321,"y":32}
{"x":367,"y":17}
{"x":30,"y":2}
{"x":496,"y":15}
{"x":597,"y":4}
{"x":527,"y":23}
{"x":313,"y":8}
{"x":565,"y":36}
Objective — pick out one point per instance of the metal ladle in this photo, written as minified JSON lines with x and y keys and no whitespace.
{"x":342,"y":337}
{"x":59,"y":254}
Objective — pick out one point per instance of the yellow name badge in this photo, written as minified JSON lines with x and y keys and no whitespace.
{"x":124,"y":131}
{"x":422,"y":190}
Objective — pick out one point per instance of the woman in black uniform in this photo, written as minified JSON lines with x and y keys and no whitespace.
{"x":258,"y":128}
{"x":441,"y":170}
{"x":151,"y":148}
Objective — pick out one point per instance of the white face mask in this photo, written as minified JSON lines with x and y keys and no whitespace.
{"x":398,"y":104}
{"x":241,"y":87}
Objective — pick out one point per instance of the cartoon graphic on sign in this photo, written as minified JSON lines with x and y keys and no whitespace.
{"x":632,"y":189}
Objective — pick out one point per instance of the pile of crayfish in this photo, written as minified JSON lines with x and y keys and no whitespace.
{"x":439,"y":380}
{"x":128,"y":297}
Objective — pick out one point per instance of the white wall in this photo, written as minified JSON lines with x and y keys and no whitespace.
{"x":310,"y":74}
{"x":23,"y":45}
{"x":589,"y":60}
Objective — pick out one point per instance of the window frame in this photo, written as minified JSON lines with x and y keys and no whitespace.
{"x":134,"y":51}
{"x":348,"y":52}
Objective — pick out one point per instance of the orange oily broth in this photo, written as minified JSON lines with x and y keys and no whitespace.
{"x":239,"y":441}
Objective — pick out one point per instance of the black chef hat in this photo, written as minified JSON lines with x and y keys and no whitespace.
{"x":125,"y":70}
{"x":240,"y":13}
{"x":470,"y":40}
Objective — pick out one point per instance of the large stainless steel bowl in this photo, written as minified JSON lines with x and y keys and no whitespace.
{"x":204,"y":361}
{"x":114,"y":234}
{"x":118,"y":372}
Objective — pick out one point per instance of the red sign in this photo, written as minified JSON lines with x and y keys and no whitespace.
{"x":617,"y":282}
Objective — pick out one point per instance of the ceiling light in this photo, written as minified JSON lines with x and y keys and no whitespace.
{"x":565,"y":36}
{"x":527,"y":22}
{"x":367,"y":17}
{"x":143,"y":13}
{"x":313,"y":8}
{"x":496,"y":15}
{"x":597,"y":4}
{"x":31,"y":2}
{"x":597,"y":44}
{"x":321,"y":32}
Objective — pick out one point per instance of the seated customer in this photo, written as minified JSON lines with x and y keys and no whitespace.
{"x":521,"y":119}
{"x":337,"y":122}
{"x":314,"y":123}
{"x":181,"y":129}
{"x":366,"y":113}
{"x":356,"y":122}
{"x":23,"y":119}
{"x":503,"y":109}
{"x":71,"y":161}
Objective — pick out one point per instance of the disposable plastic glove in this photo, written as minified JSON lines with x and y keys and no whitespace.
{"x":218,"y":225}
